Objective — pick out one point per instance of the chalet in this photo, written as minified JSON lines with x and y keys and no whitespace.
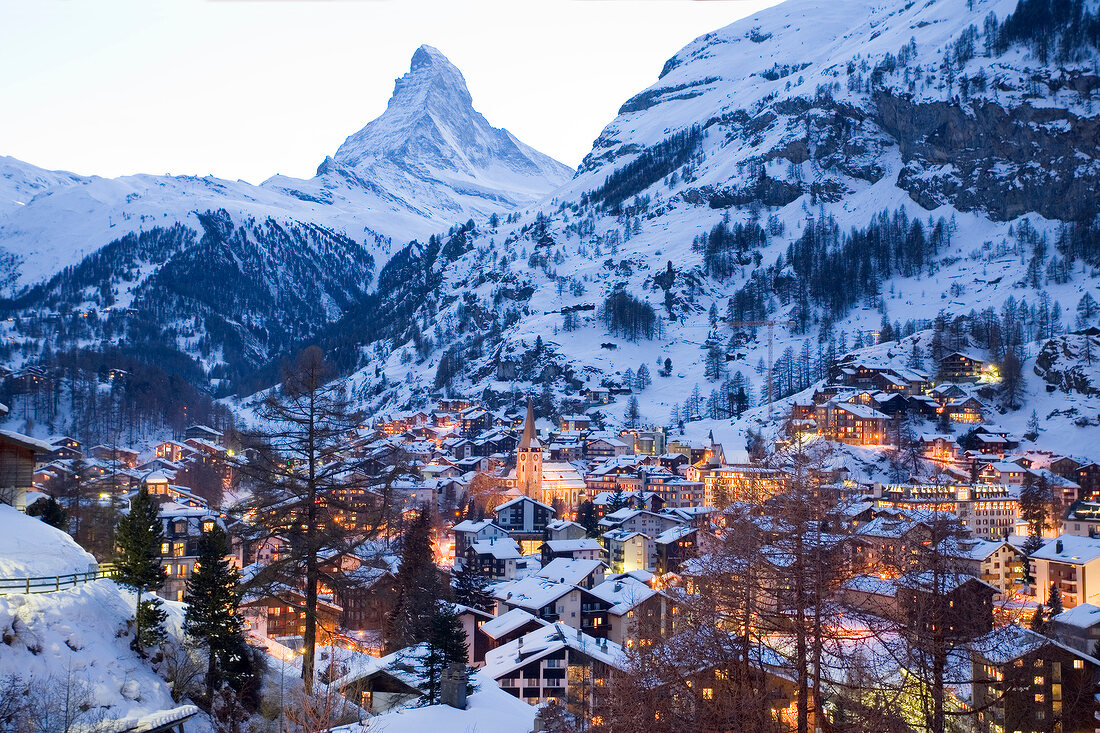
{"x":957,"y":605}
{"x":674,"y":546}
{"x":583,"y":573}
{"x":566,"y":450}
{"x":639,"y":520}
{"x":563,"y":529}
{"x":124,"y":456}
{"x":995,"y":562}
{"x":570,"y":423}
{"x":1003,"y":472}
{"x":606,"y":448}
{"x":582,"y":549}
{"x":938,"y":448}
{"x":172,"y":451}
{"x":183,"y":527}
{"x":1082,"y":518}
{"x":378,"y":684}
{"x":552,"y":601}
{"x":845,"y":422}
{"x":1026,"y":681}
{"x":893,"y":543}
{"x":204,"y":432}
{"x":871,"y":594}
{"x":523,"y":515}
{"x":367,"y":595}
{"x":960,"y":367}
{"x":556,"y":662}
{"x":499,"y":559}
{"x":17,"y":463}
{"x":1072,"y":563}
{"x":1088,"y":478}
{"x":475,"y":421}
{"x":630,"y":550}
{"x":279,"y":614}
{"x":471,"y":620}
{"x":968,"y":410}
{"x":1079,"y":627}
{"x":507,"y":627}
{"x":635,"y":606}
{"x":467,"y":532}
{"x":1065,"y":467}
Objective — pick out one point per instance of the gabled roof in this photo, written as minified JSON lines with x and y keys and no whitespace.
{"x":624,"y":594}
{"x":532,"y":592}
{"x":1008,"y":643}
{"x":467,"y":525}
{"x":1075,"y":550}
{"x":519,"y":499}
{"x":547,"y":640}
{"x":508,"y":622}
{"x":567,"y":570}
{"x":580,"y":545}
{"x":1083,"y":616}
{"x":501,"y":548}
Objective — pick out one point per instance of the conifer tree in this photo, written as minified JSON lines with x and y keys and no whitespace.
{"x":632,"y":415}
{"x":50,"y":512}
{"x":469,"y":588}
{"x":587,"y":518}
{"x":446,"y":646}
{"x":139,"y":535}
{"x":1054,"y":603}
{"x":418,"y":587}
{"x":212,"y":617}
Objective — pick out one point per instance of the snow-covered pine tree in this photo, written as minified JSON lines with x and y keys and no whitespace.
{"x":139,"y":535}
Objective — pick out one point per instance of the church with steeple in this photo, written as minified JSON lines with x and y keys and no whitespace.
{"x":545,"y":482}
{"x":529,"y":458}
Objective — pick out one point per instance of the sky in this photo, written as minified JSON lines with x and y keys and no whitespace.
{"x":250,"y":88}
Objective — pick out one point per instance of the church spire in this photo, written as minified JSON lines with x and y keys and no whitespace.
{"x":528,"y":440}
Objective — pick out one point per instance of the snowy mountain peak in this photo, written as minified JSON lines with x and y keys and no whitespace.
{"x":431,"y":133}
{"x":431,"y":71}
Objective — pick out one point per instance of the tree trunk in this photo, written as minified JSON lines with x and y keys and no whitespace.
{"x":137,"y":623}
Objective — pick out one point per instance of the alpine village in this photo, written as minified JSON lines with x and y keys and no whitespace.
{"x":781,"y":412}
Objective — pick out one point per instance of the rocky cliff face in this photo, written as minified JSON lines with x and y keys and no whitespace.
{"x":1004,"y":162}
{"x":1071,"y":363}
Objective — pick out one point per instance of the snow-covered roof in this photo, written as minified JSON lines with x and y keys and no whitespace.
{"x":520,"y":499}
{"x":674,"y":534}
{"x":1008,"y":643}
{"x":501,"y":548}
{"x":468,"y":525}
{"x":547,"y":640}
{"x":508,"y":622}
{"x":27,"y":441}
{"x":1083,"y":616}
{"x":574,"y":545}
{"x":532,"y":592}
{"x":1075,"y":550}
{"x":568,"y":570}
{"x":623,"y":593}
{"x":871,"y":584}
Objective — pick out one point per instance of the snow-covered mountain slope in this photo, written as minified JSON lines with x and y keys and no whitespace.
{"x":431,"y":160}
{"x":834,"y":166}
{"x":232,"y":275}
{"x":20,"y":182}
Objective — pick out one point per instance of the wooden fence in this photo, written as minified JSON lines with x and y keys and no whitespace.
{"x":54,"y":583}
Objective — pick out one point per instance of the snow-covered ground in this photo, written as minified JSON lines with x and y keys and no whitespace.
{"x":31,"y":548}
